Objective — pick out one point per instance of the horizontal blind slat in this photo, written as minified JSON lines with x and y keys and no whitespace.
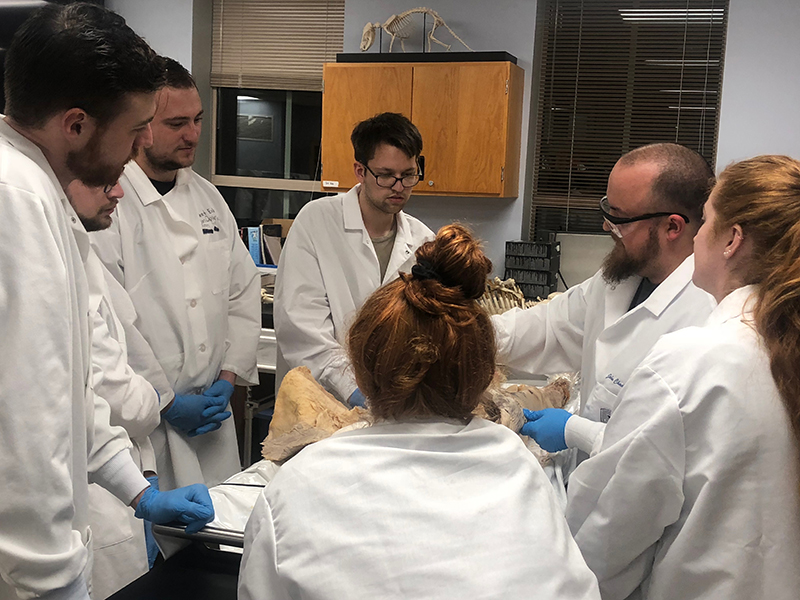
{"x":280,"y":44}
{"x":619,"y":74}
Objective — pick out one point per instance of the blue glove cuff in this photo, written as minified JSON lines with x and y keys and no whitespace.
{"x":357,"y":398}
{"x":143,"y":508}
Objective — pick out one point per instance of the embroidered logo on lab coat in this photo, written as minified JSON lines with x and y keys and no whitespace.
{"x":209,"y":221}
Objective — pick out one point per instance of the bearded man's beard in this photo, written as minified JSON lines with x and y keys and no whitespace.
{"x":88,"y":166}
{"x":620,"y":264}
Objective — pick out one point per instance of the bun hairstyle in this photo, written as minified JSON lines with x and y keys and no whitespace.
{"x":421,"y":346}
{"x":762,"y":195}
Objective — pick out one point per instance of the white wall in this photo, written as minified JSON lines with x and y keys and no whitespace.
{"x":506,"y":25}
{"x":165,"y":24}
{"x":760,"y":111}
{"x":761,"y":87}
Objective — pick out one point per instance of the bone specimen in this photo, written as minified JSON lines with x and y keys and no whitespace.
{"x":501,"y":296}
{"x":306,"y":413}
{"x":397,"y":26}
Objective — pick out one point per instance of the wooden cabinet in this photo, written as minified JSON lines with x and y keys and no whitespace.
{"x":469,"y":115}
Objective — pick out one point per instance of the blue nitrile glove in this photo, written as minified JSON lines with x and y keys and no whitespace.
{"x":357,"y":398}
{"x":220,"y":393}
{"x":547,"y":427}
{"x":196,"y":414}
{"x":190,"y":505}
{"x":220,"y":388}
{"x":149,"y":540}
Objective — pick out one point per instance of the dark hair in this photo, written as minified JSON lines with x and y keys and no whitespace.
{"x":76,"y":56}
{"x":386,"y":128}
{"x":762,"y":196}
{"x":684,"y":182}
{"x":420,"y":347}
{"x":177,"y":76}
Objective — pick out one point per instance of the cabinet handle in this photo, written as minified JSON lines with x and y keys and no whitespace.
{"x":430,"y":183}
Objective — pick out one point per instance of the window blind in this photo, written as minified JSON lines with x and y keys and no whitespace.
{"x":615,"y":75}
{"x":275,"y":44}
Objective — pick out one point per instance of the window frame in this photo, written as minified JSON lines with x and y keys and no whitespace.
{"x":260,"y":183}
{"x":559,"y":204}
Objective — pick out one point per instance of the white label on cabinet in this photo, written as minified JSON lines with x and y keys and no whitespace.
{"x":329,"y":183}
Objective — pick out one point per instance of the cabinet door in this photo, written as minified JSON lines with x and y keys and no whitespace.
{"x":352,"y":93}
{"x":461,"y":110}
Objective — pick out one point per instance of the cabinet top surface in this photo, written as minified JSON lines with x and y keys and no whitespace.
{"x":418,"y":57}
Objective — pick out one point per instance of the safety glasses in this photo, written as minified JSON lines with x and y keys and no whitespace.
{"x":614,"y":221}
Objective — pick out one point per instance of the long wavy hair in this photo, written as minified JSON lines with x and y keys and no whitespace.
{"x":762,"y":195}
{"x":421,"y":346}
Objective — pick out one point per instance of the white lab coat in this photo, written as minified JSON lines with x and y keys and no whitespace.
{"x":590,"y":329}
{"x":419,"y":509}
{"x":695,"y":491}
{"x":53,"y":429}
{"x":120,"y":553}
{"x":328,"y":268}
{"x":197,"y":295}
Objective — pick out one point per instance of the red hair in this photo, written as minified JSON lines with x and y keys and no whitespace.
{"x":422,"y":346}
{"x":762,"y":195}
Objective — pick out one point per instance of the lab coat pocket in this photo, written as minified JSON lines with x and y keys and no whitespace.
{"x":218,"y":261}
{"x":602,"y":403}
{"x":109,"y":517}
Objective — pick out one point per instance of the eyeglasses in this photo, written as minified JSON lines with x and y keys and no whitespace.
{"x":109,"y":187}
{"x":388,"y":181}
{"x":614,"y":220}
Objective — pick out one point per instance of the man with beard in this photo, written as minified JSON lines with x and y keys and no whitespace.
{"x":80,"y":96}
{"x":342,"y":248}
{"x":175,"y":248}
{"x":122,"y":544}
{"x":605,"y":326}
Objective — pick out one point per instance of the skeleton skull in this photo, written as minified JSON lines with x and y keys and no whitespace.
{"x":368,"y":36}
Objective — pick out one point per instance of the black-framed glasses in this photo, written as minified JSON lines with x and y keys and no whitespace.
{"x":388,"y":181}
{"x":109,"y":187}
{"x":614,"y":220}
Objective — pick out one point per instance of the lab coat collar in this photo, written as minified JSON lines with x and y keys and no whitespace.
{"x":738,"y":304}
{"x":668,"y":289}
{"x":354,"y":220}
{"x":144,"y":187}
{"x":352,"y":211}
{"x":33,"y":152}
{"x":78,"y":231}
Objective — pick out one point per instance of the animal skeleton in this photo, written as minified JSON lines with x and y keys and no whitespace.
{"x":501,"y":296}
{"x":397,"y":26}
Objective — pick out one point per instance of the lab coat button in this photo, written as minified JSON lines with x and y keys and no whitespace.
{"x":193,"y":303}
{"x":202,"y":347}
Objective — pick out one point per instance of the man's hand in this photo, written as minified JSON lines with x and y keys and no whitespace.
{"x":220,"y":388}
{"x":190,"y":505}
{"x":195,"y":414}
{"x":357,"y":398}
{"x":546,"y":427}
{"x":228,"y":376}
